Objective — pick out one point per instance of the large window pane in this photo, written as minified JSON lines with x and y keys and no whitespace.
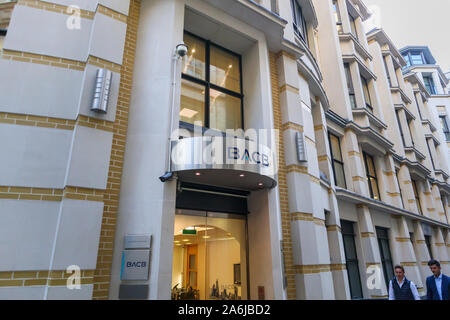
{"x":225,"y":111}
{"x":194,"y":63}
{"x":340,"y":176}
{"x":192,"y":108}
{"x":335,"y":147}
{"x":225,"y":70}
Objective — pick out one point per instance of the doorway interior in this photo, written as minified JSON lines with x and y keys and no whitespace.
{"x":209,"y":256}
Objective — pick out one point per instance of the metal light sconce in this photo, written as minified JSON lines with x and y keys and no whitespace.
{"x":301,"y":147}
{"x":102,"y":90}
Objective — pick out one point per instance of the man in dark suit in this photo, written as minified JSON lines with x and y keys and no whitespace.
{"x":438,"y":285}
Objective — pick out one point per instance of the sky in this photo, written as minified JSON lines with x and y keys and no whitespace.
{"x":416,"y":22}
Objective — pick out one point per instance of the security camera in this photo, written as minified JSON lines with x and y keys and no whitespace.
{"x":166,"y":177}
{"x":181,"y":50}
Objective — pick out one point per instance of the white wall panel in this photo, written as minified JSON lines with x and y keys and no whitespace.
{"x":27,"y":233}
{"x":78,"y":235}
{"x":108,"y":38}
{"x":51,"y":38}
{"x":33,"y":157}
{"x":42,"y":90}
{"x":90,"y":158}
{"x":121,"y":6}
{"x":63,"y":293}
{"x":22,"y":293}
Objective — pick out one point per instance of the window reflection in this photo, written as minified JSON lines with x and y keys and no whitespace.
{"x":225,"y":111}
{"x":192,"y":105}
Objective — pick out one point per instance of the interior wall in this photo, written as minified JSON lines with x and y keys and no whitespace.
{"x":259,"y":241}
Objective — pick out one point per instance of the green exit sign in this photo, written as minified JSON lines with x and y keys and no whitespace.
{"x":191,"y":232}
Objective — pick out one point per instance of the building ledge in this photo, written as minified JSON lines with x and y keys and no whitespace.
{"x":372,"y":118}
{"x":409,"y":114}
{"x":358,"y":46}
{"x":349,"y":196}
{"x":405,"y":98}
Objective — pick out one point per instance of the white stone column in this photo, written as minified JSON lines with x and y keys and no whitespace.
{"x":147,"y":206}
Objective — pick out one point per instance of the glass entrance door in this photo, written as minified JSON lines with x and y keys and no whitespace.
{"x":209,"y":256}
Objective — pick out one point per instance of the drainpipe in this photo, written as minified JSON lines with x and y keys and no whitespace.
{"x":180,"y":51}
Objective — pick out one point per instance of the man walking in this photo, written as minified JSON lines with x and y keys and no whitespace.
{"x":401,"y":288}
{"x":438,"y":285}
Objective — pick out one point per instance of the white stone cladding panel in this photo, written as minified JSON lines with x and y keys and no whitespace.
{"x":87,"y":95}
{"x":121,"y":6}
{"x":63,"y":293}
{"x":299,"y":193}
{"x":41,"y":90}
{"x":22,"y":293}
{"x":52,"y":38}
{"x":34,"y":157}
{"x":89,"y":5}
{"x":90,"y":158}
{"x":108,"y":38}
{"x":78,"y":235}
{"x":27,"y":233}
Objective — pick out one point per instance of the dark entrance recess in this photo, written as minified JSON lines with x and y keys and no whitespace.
{"x":213,"y":199}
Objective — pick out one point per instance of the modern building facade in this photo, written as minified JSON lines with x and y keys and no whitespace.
{"x":116,"y":162}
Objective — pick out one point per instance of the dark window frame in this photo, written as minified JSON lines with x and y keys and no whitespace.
{"x":429,"y":151}
{"x":353,"y":28}
{"x":418,"y":106}
{"x":416,"y":195}
{"x":399,"y":188}
{"x":365,"y":85}
{"x":386,"y":262}
{"x":302,"y":30}
{"x":369,"y":177}
{"x":428,"y":244}
{"x":429,"y":84}
{"x":400,"y":127}
{"x":209,"y":85}
{"x":387,"y":71}
{"x":348,"y":231}
{"x":333,"y":160}
{"x":350,"y":86}
{"x":338,"y":16}
{"x":445,"y":127}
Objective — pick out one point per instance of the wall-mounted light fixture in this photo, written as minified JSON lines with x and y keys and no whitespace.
{"x":102,"y":90}
{"x":301,"y":147}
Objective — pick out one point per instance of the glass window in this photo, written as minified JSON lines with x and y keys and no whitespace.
{"x":387,"y":71}
{"x":399,"y":188}
{"x":192,"y":105}
{"x":418,"y":106}
{"x":429,"y":84}
{"x":417,"y":58}
{"x":195,"y":62}
{"x":445,"y":128}
{"x":337,"y":161}
{"x":429,"y":151}
{"x":351,"y":259}
{"x":225,"y":111}
{"x":299,"y":21}
{"x":372,"y":177}
{"x":416,"y":196}
{"x":209,"y":257}
{"x":353,"y":26}
{"x":337,"y":16}
{"x":225,"y":71}
{"x":428,"y":243}
{"x":408,"y":62}
{"x":351,"y":90}
{"x":211,"y":86}
{"x":385,"y":253}
{"x":366,"y":94}
{"x":400,"y":127}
